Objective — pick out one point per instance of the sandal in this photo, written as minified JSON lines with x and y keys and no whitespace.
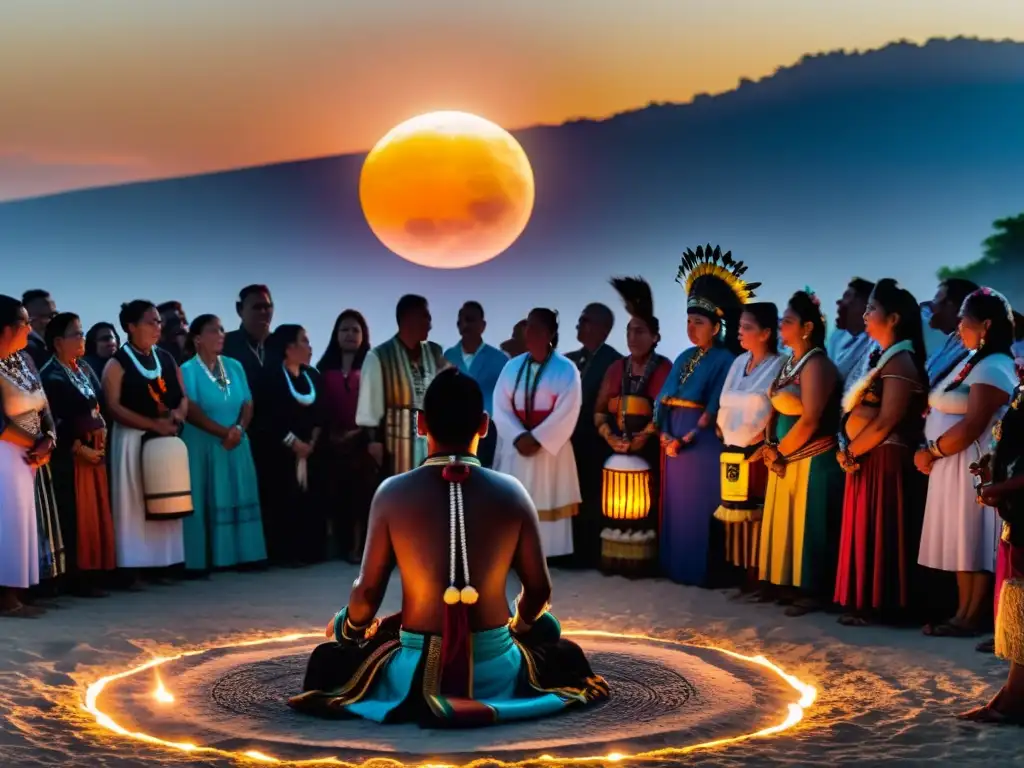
{"x":853,"y":620}
{"x":802,"y":607}
{"x":949,"y":629}
{"x":986,"y":646}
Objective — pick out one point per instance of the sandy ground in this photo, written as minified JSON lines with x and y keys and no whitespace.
{"x":884,"y":695}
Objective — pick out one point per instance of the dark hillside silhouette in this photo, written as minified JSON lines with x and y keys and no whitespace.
{"x":889,"y":161}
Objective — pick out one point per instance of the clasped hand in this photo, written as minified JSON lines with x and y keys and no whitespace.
{"x":302,"y":450}
{"x":39,"y":454}
{"x":232,"y":439}
{"x":527,"y":444}
{"x":923,"y":460}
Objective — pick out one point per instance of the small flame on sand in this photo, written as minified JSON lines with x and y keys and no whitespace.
{"x":794,"y":711}
{"x":161,"y":693}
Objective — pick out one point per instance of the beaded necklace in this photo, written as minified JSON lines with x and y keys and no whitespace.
{"x":691,"y":366}
{"x":220,"y":378}
{"x":628,"y":388}
{"x":790,"y":371}
{"x":456,"y":470}
{"x":79,"y":379}
{"x":528,"y":395}
{"x":299,"y":398}
{"x":16,"y":370}
{"x":152,"y":375}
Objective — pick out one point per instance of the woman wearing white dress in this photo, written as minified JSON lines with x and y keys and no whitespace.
{"x":145,"y":394}
{"x":743,"y":412}
{"x":959,"y":535}
{"x":27,"y":439}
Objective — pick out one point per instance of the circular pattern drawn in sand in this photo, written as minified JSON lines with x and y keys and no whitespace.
{"x":667,"y":699}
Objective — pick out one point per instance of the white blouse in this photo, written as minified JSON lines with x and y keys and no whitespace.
{"x":996,"y":371}
{"x":744,"y":407}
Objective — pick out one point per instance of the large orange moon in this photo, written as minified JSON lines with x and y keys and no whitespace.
{"x":447,"y":190}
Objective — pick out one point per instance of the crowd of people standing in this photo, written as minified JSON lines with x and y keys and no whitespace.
{"x":850,"y":474}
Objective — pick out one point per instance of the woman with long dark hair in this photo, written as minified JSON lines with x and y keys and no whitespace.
{"x":963,"y":407}
{"x":291,"y":397}
{"x":803,"y":501}
{"x":347,"y":475}
{"x":882,"y":426}
{"x":226,"y":529}
{"x":79,"y":466}
{"x":743,"y":414}
{"x":27,"y":439}
{"x":101,"y":342}
{"x":624,"y":417}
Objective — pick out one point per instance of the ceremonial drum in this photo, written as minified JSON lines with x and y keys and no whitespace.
{"x":629,"y":545}
{"x":166,"y":481}
{"x":737,"y":505}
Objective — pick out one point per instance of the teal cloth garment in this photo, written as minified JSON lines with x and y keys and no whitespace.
{"x":703,"y":386}
{"x":498,"y":674}
{"x":226,"y":529}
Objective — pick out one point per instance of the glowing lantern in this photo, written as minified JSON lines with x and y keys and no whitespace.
{"x":626,"y":499}
{"x":626,"y":491}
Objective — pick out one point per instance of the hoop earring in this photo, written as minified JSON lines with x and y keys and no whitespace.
{"x":806,"y":336}
{"x":981,"y":343}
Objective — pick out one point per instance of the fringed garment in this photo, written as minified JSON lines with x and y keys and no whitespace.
{"x":51,"y":544}
{"x":399,"y":676}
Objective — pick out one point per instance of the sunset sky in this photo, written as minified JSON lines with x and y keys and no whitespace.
{"x":102,"y":91}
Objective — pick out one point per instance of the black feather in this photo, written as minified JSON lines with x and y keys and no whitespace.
{"x":636,"y":295}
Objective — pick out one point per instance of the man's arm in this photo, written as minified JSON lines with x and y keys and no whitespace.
{"x":378,"y":561}
{"x":530,"y":565}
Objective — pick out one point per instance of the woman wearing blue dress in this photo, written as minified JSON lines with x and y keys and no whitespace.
{"x":686,"y":410}
{"x":226,"y":529}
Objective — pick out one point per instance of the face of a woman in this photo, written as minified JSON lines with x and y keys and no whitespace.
{"x":701,"y":330}
{"x":972,"y":331}
{"x":14,"y":338}
{"x":106,"y":343}
{"x":146,"y":332}
{"x":211,"y":340}
{"x":350,"y":335}
{"x":791,"y":330}
{"x":72,"y":343}
{"x":877,"y":323}
{"x":639,"y":338}
{"x":753,"y":338}
{"x":300,"y":352}
{"x":537,"y":337}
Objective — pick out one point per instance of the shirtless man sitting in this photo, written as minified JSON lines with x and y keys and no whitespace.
{"x":453,"y":656}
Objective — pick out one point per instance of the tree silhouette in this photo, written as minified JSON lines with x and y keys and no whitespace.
{"x":1002,"y":254}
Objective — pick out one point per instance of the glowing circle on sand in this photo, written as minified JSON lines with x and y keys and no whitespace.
{"x":447,"y":190}
{"x":226,"y":701}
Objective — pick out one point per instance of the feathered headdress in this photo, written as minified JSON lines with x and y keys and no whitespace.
{"x":636,"y":295}
{"x":714,"y":282}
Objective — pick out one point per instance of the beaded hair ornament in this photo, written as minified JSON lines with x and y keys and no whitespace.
{"x":815,"y":301}
{"x":455,"y":472}
{"x":986,"y":291}
{"x":707,"y":262}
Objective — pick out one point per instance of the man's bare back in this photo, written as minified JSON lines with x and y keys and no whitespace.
{"x":409,"y":528}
